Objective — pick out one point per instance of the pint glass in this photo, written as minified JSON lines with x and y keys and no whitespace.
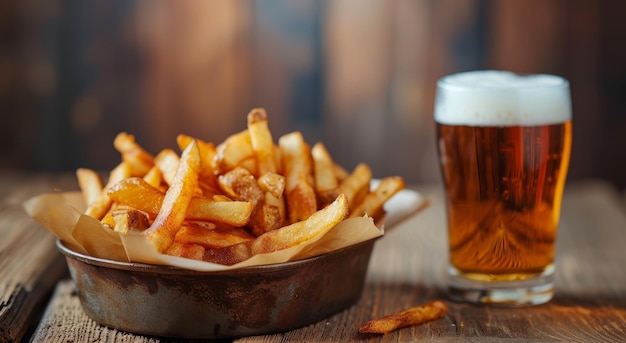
{"x":504,"y":144}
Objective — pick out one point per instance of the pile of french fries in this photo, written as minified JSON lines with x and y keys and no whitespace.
{"x":225,"y":203}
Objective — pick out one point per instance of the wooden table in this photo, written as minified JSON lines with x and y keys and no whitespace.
{"x":39,"y":304}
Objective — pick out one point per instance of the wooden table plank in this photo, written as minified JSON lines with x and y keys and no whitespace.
{"x":30,"y":265}
{"x":408,"y":268}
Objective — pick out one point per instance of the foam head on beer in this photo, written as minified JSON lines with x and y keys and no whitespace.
{"x":501,"y":98}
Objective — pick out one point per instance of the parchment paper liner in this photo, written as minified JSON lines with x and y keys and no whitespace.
{"x":61,"y":214}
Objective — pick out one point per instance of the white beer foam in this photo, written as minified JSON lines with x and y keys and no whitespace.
{"x":500,"y":98}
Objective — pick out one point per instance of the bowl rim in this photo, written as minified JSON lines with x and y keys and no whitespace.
{"x":165,"y":269}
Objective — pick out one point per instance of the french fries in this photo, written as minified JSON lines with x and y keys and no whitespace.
{"x":235,"y":151}
{"x":167,"y":163}
{"x":102,"y":204}
{"x":207,"y":182}
{"x":129,"y":219}
{"x":261,"y":141}
{"x":409,"y":317}
{"x":90,"y":184}
{"x":177,"y":199}
{"x":297,"y":164}
{"x":212,"y":237}
{"x":373,"y":202}
{"x":326,"y":181}
{"x":271,"y":213}
{"x":139,"y":160}
{"x":357,"y":184}
{"x":285,"y":237}
{"x":227,"y":202}
{"x":138,"y":194}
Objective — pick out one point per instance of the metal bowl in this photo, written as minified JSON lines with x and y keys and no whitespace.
{"x":179,"y":303}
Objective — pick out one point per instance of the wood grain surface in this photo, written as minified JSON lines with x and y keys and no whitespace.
{"x":30,"y":265}
{"x":407,"y":269}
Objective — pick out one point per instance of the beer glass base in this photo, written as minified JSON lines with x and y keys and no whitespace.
{"x":526,"y":292}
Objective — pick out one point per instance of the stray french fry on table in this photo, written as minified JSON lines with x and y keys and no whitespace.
{"x":409,"y":317}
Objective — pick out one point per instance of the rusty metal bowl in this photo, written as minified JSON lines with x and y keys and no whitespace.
{"x":179,"y":303}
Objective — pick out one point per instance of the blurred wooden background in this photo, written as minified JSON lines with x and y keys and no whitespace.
{"x":357,"y":74}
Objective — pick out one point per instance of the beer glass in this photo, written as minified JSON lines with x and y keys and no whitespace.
{"x":504,"y":144}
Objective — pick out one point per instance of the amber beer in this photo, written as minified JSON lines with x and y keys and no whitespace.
{"x":504,"y":186}
{"x":504,"y":144}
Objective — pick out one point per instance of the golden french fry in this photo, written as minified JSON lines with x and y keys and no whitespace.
{"x":249,"y":164}
{"x":207,"y":152}
{"x":107,"y":219}
{"x":167,"y":161}
{"x":285,"y":237}
{"x":184,"y":140}
{"x":272,"y":213}
{"x":301,"y":202}
{"x":208,"y":178}
{"x":357,"y":185}
{"x":206,"y":225}
{"x":235,"y":151}
{"x":266,"y":218}
{"x":211,"y":238}
{"x":136,"y":193}
{"x":373,"y":202}
{"x":220,"y":197}
{"x":261,"y":141}
{"x":139,"y":160}
{"x":279,"y":203}
{"x":240,"y":184}
{"x":99,"y":207}
{"x":177,"y":198}
{"x":129,"y":219}
{"x":154,"y":177}
{"x":236,"y":213}
{"x":297,"y":166}
{"x":90,"y":184}
{"x":294,"y":234}
{"x":409,"y":317}
{"x":203,"y":225}
{"x":186,"y":250}
{"x":272,"y":183}
{"x":326,"y":183}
